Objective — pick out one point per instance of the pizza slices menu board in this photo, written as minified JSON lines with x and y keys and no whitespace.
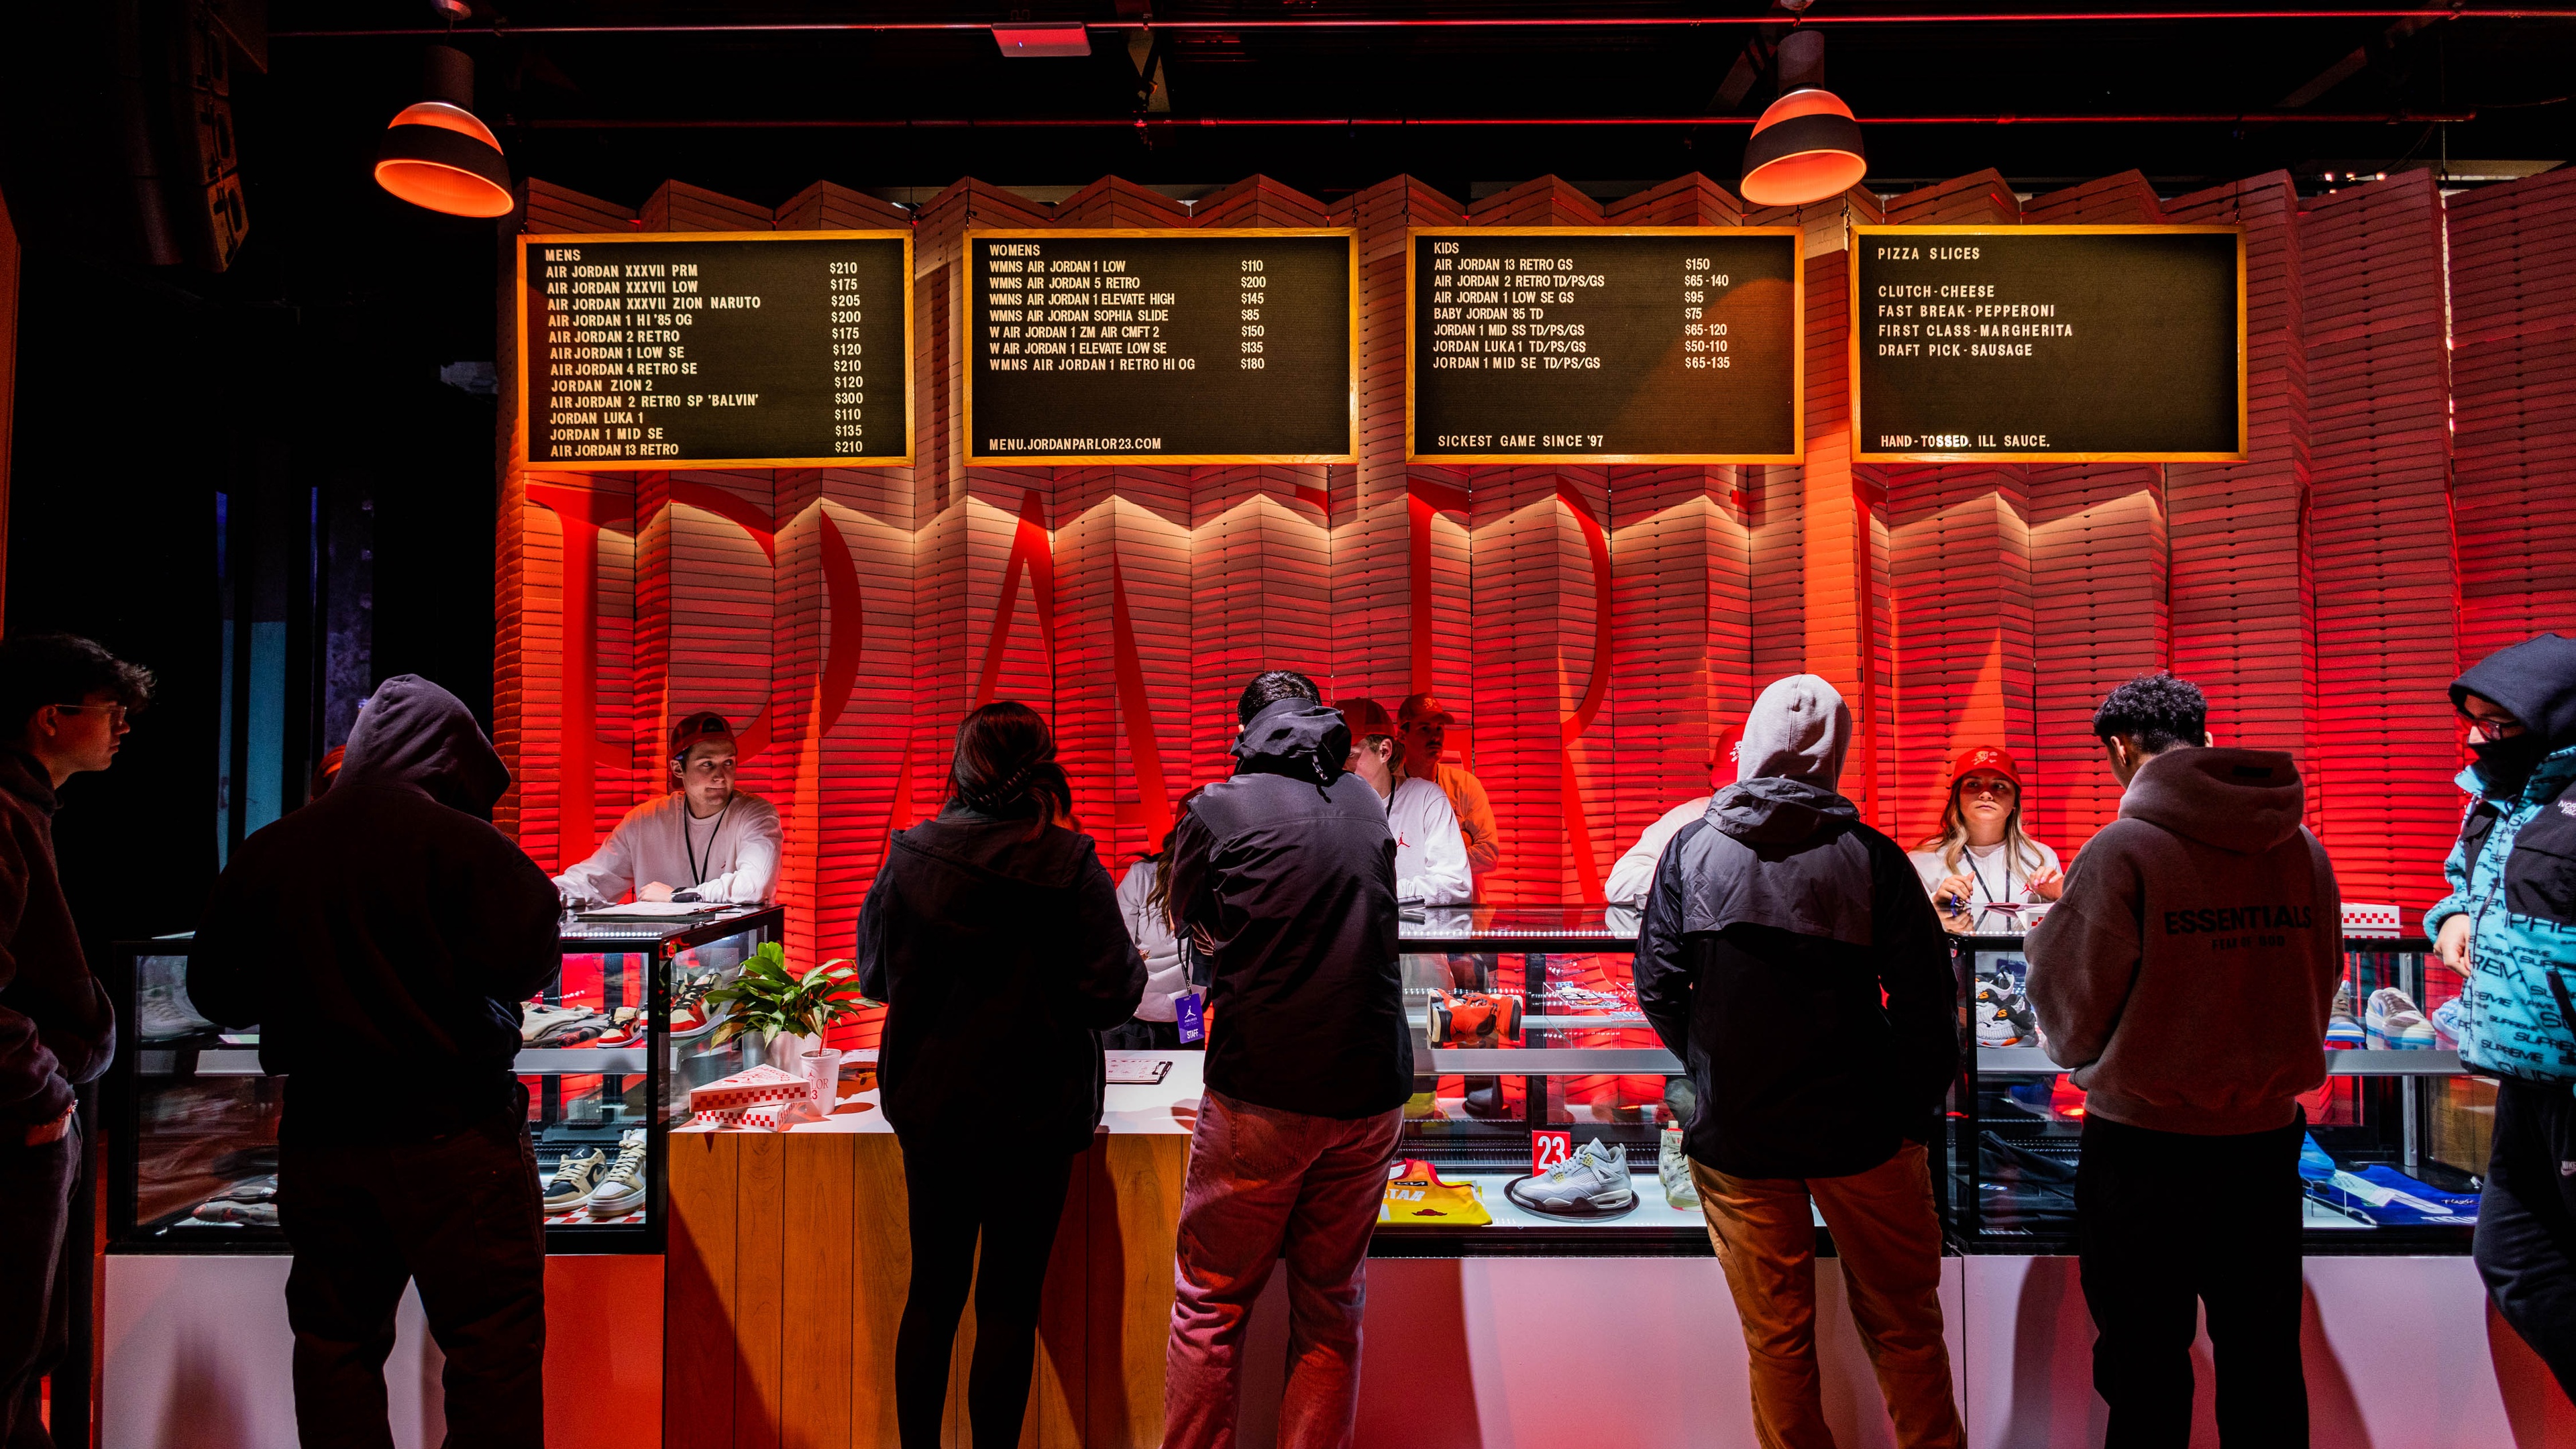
{"x":1217,"y":346}
{"x":715,"y":349}
{"x":2077,"y":343}
{"x":1639,"y":345}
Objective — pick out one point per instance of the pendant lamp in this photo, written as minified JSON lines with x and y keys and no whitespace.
{"x":437,"y":154}
{"x":1806,"y":146}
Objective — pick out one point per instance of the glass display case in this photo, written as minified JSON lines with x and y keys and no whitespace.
{"x":1528,"y":1044}
{"x":2397,"y":1136}
{"x":612,"y":1046}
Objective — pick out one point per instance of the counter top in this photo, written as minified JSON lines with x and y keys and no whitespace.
{"x":1167,"y":1108}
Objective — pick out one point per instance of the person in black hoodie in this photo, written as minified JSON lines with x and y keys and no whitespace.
{"x":1285,"y":876}
{"x":64,"y":701}
{"x":993,"y":935}
{"x":382,"y":939}
{"x":1789,"y":956}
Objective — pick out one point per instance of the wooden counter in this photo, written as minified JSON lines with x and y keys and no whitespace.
{"x":788,"y":1264}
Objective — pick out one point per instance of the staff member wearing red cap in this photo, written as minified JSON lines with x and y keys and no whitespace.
{"x":704,"y":841}
{"x":1422,"y":726}
{"x":1981,"y":869}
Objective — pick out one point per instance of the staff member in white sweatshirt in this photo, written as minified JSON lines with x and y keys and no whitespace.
{"x":1430,"y":850}
{"x":1634,"y":874}
{"x":1144,"y":901}
{"x":705,"y":841}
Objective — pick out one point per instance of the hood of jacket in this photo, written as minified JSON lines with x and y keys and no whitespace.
{"x":1000,"y":847}
{"x":1798,"y":730}
{"x":414,"y":734}
{"x":1774,"y":811}
{"x":1294,"y":737}
{"x":1790,"y":767}
{"x":2245,"y":801}
{"x":22,"y":776}
{"x":2535,"y":680}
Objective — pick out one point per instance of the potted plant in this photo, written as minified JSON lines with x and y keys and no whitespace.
{"x":767,"y":998}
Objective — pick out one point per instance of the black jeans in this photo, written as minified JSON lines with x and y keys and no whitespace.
{"x":463,"y":1214}
{"x":2526,"y":1238}
{"x":1016,"y":1220}
{"x":2168,"y":1222}
{"x":36,"y":1186}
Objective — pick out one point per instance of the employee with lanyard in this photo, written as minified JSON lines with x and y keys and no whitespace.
{"x":1983,"y":873}
{"x":705,"y":841}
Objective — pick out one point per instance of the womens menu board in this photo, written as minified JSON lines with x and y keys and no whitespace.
{"x":715,"y":349}
{"x":1217,"y":346}
{"x":1637,"y":345}
{"x":2077,"y":343}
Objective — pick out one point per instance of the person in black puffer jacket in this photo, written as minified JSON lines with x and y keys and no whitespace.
{"x":1789,"y":956}
{"x":993,"y":936}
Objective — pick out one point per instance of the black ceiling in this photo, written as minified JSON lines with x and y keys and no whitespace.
{"x":612,"y":98}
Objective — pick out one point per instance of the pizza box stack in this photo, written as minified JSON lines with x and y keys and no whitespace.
{"x":752,"y":1098}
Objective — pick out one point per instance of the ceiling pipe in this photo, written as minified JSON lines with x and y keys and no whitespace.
{"x":1184,"y":123}
{"x":1494,"y":22}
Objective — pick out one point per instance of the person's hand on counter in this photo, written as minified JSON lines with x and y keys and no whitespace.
{"x":2048,"y":884}
{"x":653,"y":891}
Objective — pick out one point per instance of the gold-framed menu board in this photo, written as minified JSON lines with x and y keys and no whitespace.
{"x":1604,"y":345}
{"x":715,"y":349}
{"x":1104,"y":346}
{"x":2048,"y":343}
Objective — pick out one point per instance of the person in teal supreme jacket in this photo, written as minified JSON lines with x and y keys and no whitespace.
{"x":2509,"y":928}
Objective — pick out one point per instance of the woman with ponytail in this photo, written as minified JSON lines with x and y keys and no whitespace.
{"x":994,"y":937}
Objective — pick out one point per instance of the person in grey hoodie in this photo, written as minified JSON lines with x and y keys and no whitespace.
{"x":2185,"y":976}
{"x":1789,"y":956}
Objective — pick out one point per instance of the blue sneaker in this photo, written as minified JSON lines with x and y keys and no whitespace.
{"x":2314,"y":1164}
{"x":2451,"y":1019}
{"x":2343,"y":1029}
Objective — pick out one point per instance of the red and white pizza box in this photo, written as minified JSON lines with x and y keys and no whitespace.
{"x":2359,"y":920}
{"x":758,"y":1087}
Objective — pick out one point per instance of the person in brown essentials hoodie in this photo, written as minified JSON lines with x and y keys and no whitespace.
{"x":2185,"y":977}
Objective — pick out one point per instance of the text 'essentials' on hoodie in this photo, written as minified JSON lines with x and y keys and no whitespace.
{"x":2186,"y":974}
{"x":1789,"y":957}
{"x":383,"y":936}
{"x":997,"y":945}
{"x":1290,"y":869}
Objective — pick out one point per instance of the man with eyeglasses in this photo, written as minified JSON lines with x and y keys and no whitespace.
{"x":2508,"y":927}
{"x":704,"y":841}
{"x":65,"y":701}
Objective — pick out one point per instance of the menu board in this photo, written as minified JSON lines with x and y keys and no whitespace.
{"x":715,"y":349}
{"x":1634,"y":345}
{"x":2076,"y":343}
{"x":1219,"y":346}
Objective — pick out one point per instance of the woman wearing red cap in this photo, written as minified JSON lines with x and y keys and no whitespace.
{"x":1982,"y":871}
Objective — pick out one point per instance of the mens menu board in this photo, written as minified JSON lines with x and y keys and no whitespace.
{"x":1636,"y":345}
{"x":2078,"y":343}
{"x":1218,"y":346}
{"x":715,"y":349}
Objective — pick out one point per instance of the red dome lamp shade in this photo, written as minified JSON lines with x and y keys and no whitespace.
{"x":1806,"y":147}
{"x":437,"y":154}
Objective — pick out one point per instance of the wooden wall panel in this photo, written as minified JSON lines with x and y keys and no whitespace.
{"x":2513,"y":376}
{"x":2099,"y":557}
{"x":1953,"y":604}
{"x":2386,"y":590}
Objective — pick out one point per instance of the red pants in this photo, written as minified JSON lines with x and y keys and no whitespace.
{"x":1889,"y":1239}
{"x":1265,"y":1185}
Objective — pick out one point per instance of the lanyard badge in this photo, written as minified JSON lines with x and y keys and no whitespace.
{"x":1190,"y":1015}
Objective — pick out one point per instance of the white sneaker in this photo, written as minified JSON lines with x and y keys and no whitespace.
{"x":1672,"y":1165}
{"x":622,"y":1190}
{"x":2394,"y":1023}
{"x":1593,"y":1183}
{"x":537,"y":1018}
{"x":576,"y":1174}
{"x":161,"y":1016}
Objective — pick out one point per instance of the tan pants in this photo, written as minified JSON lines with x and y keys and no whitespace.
{"x":1889,"y":1239}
